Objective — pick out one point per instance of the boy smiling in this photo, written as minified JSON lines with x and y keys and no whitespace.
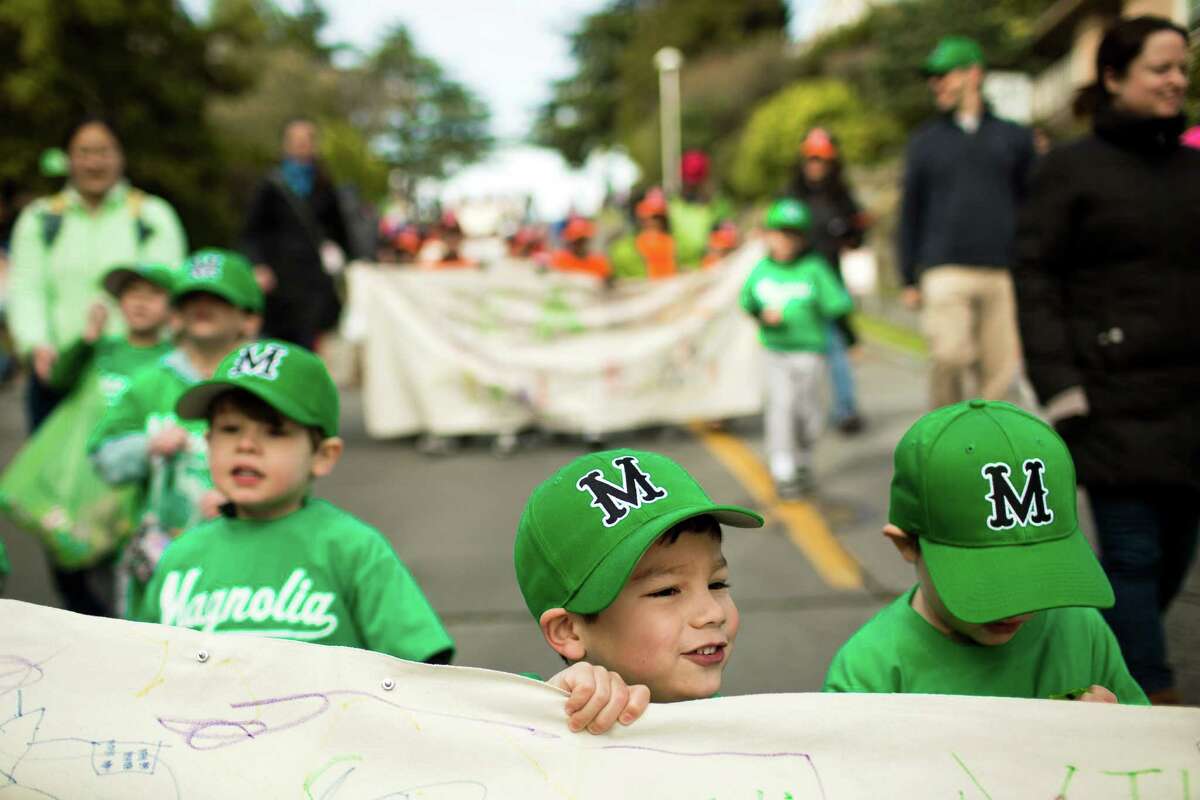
{"x":278,"y":562}
{"x":618,"y":556}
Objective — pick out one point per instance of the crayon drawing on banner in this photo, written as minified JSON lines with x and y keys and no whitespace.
{"x":101,"y":709}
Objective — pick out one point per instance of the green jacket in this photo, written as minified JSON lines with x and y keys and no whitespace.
{"x":61,"y":250}
{"x":808,"y":294}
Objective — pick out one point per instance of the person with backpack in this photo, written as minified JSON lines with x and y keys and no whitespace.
{"x":63,"y":245}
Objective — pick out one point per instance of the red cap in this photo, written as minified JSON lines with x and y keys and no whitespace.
{"x":654,"y":204}
{"x":818,"y":145}
{"x":693,"y":167}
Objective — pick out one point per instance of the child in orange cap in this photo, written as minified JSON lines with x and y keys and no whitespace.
{"x":577,"y":236}
{"x":654,"y":242}
{"x":722,"y":241}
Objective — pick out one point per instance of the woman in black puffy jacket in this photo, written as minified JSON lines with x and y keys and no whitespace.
{"x":1108,"y":291}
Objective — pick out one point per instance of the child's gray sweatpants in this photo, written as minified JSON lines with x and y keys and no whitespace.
{"x":793,"y":410}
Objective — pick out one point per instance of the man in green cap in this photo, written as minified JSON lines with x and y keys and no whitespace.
{"x":140,"y":440}
{"x":793,"y":295}
{"x":618,"y":556}
{"x":277,"y":562}
{"x":983,"y":504}
{"x":965,"y":176}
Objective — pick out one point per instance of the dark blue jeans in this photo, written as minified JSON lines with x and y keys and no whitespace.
{"x":1147,"y":543}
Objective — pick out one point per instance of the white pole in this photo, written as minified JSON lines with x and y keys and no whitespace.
{"x":668,"y":60}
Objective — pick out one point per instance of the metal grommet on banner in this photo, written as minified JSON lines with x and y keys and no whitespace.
{"x":202,"y":656}
{"x":388,"y":684}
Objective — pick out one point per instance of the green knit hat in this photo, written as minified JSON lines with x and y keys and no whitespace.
{"x":586,"y":527}
{"x":288,"y":378}
{"x":788,"y":214}
{"x":117,"y":279}
{"x":221,"y":272}
{"x":989,"y":490}
{"x":951,"y":53}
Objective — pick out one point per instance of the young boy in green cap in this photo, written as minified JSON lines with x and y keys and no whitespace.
{"x":793,"y":294}
{"x":618,"y":556}
{"x":141,"y":441}
{"x":49,"y":488}
{"x":278,"y":562}
{"x":143,"y":294}
{"x":983,"y":504}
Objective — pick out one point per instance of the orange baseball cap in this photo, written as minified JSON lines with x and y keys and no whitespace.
{"x":818,"y":144}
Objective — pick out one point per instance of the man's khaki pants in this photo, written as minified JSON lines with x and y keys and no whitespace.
{"x":969,"y":318}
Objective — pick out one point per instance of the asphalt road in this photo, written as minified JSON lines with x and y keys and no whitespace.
{"x":803,"y":583}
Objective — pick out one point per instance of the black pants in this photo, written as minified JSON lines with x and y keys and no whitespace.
{"x":89,"y":590}
{"x":40,"y":402}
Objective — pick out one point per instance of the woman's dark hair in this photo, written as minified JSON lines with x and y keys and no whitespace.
{"x":1122,"y":43}
{"x":83,"y":122}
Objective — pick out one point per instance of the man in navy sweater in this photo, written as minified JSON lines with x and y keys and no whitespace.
{"x":965,"y":175}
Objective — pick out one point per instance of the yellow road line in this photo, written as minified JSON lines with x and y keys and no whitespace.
{"x":804,"y":524}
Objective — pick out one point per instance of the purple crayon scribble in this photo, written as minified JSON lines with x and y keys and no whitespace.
{"x":211,"y":734}
{"x":17,"y":672}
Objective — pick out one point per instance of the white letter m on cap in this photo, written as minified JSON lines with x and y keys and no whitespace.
{"x":1008,"y":507}
{"x":615,"y":501}
{"x":261,"y":361}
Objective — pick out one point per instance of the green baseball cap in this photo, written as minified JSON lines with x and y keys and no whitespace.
{"x":788,"y":213}
{"x":951,"y":53}
{"x":221,"y":272}
{"x":586,"y":527}
{"x":989,"y":490}
{"x":290,"y":379}
{"x":117,"y":279}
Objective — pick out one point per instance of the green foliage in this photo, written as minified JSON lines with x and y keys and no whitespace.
{"x":200,"y":107}
{"x":424,"y":124}
{"x":614,"y":91}
{"x":881,"y":55}
{"x":768,"y":152}
{"x":143,"y":64}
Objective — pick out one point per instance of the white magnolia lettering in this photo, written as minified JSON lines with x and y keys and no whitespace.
{"x":304,"y":614}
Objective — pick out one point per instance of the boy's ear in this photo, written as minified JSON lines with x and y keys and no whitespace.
{"x":560,"y":628}
{"x":906,"y":545}
{"x":327,"y":455}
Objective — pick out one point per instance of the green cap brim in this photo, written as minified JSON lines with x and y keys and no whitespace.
{"x":985,"y":584}
{"x":195,"y":402}
{"x":216,"y":290}
{"x":607,"y":580}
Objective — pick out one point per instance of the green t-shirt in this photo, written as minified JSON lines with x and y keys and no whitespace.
{"x":173,"y":486}
{"x":113,"y":357}
{"x":1056,"y":652}
{"x":808,"y":294}
{"x":315,"y":575}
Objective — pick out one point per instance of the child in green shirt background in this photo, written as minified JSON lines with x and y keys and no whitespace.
{"x":983,"y":504}
{"x":793,"y":294}
{"x":276,"y":561}
{"x":49,"y":488}
{"x":142,"y":442}
{"x":618,"y":557}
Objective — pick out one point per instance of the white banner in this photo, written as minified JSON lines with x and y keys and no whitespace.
{"x":495,"y":350}
{"x":99,"y":709}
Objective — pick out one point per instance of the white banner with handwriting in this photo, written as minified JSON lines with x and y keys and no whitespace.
{"x":499,"y":349}
{"x":99,"y":709}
